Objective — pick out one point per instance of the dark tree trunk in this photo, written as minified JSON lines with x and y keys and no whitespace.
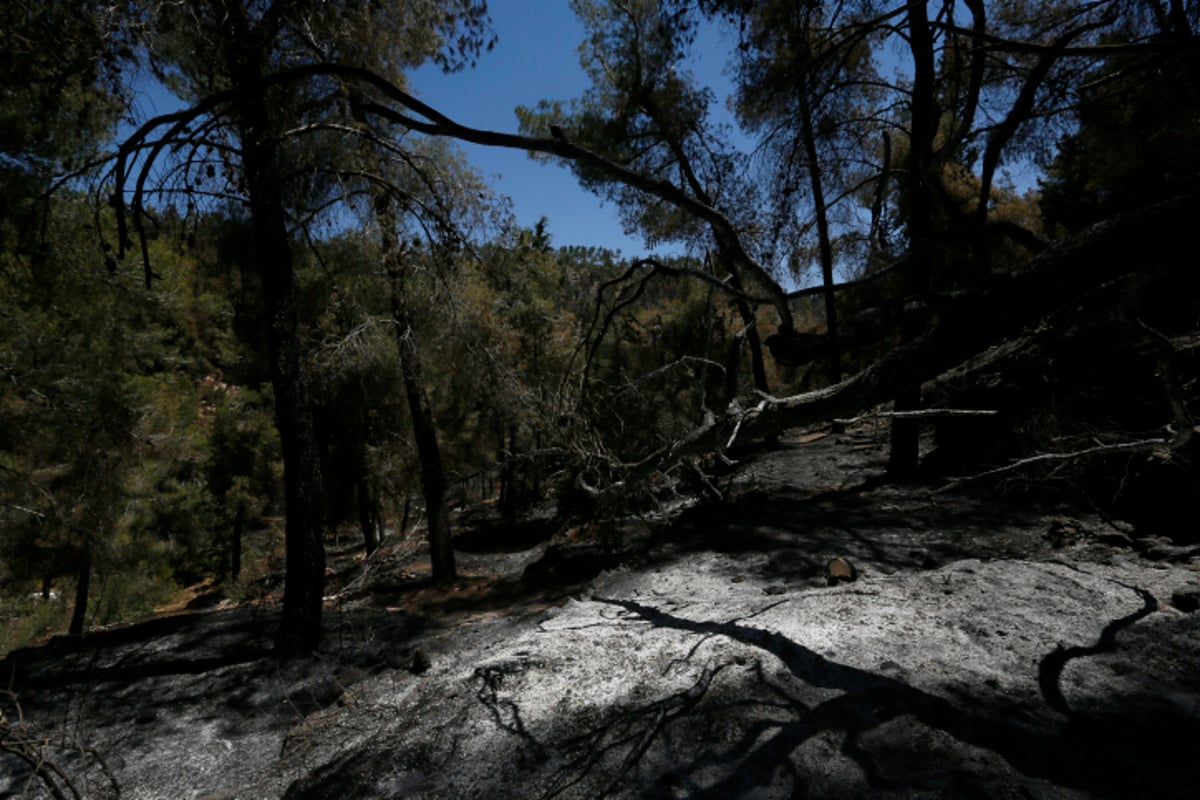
{"x":300,"y":629}
{"x":406,"y":514}
{"x":429,"y":452}
{"x":368,"y":516}
{"x":824,"y":243}
{"x":750,"y":319}
{"x":877,"y":238}
{"x":235,"y":544}
{"x":433,"y":478}
{"x":904,"y":454}
{"x":509,"y":492}
{"x":83,"y":583}
{"x":904,"y":457}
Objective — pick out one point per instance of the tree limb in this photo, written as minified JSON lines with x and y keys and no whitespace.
{"x":1141,"y":446}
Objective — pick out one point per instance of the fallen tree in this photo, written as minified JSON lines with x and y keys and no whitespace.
{"x":959,"y":328}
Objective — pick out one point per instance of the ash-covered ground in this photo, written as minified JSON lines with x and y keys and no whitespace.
{"x":989,"y":647}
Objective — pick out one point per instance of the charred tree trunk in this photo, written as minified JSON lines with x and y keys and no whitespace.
{"x":235,"y":545}
{"x":300,"y":629}
{"x":904,"y":457}
{"x":509,"y":481}
{"x":429,"y":452}
{"x":433,"y":477}
{"x":750,"y":319}
{"x":904,"y":452}
{"x":368,"y":515}
{"x":878,"y":235}
{"x":406,"y":514}
{"x":83,"y":581}
{"x":824,"y":243}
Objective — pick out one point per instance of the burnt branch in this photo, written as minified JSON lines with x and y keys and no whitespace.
{"x":961,"y":328}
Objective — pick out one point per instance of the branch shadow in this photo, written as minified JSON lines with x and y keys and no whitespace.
{"x":505,"y":714}
{"x":797,"y":528}
{"x":1113,"y":756}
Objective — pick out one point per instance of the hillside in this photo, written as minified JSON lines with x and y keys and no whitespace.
{"x":990,"y":647}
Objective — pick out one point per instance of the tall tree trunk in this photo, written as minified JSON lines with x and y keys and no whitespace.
{"x":758,"y":366}
{"x":877,"y":238}
{"x":433,"y":477}
{"x":429,"y":452}
{"x":368,"y":515}
{"x":904,"y":458}
{"x":235,"y":545}
{"x":510,"y":495}
{"x":824,"y":243}
{"x":300,"y":629}
{"x":83,"y":581}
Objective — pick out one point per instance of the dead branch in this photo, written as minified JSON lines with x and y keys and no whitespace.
{"x":680,"y":363}
{"x":1167,"y":373}
{"x":636,"y":730}
{"x":17,"y":739}
{"x":1142,"y":446}
{"x":925,"y":413}
{"x":961,"y":328}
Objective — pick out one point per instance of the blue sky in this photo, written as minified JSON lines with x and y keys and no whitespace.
{"x":536,"y":58}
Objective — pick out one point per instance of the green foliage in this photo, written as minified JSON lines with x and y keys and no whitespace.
{"x":27,"y":619}
{"x":113,"y":408}
{"x":644,"y":110}
{"x":67,"y":348}
{"x":808,"y":86}
{"x":61,"y":79}
{"x":1138,"y":141}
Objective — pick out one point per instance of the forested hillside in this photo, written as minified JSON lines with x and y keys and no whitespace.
{"x":291,"y":315}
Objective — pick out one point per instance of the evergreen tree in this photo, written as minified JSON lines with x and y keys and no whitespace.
{"x":242,"y":66}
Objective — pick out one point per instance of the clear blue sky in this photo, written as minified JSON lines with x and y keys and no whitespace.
{"x":536,"y":58}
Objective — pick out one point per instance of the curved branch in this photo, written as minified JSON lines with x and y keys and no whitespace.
{"x":432,"y":122}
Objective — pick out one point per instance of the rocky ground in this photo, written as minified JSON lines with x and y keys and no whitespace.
{"x":988,"y":647}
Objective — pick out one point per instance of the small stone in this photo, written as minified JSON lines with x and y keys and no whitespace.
{"x":1064,"y":531}
{"x":1115,"y":539}
{"x":420,"y":662}
{"x":839,"y":570}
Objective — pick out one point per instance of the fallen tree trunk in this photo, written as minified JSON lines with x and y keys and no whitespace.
{"x":960,"y":328}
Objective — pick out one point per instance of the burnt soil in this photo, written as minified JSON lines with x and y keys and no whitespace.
{"x":996,"y":642}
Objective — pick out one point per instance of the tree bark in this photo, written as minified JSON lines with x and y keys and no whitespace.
{"x":429,"y":453}
{"x":824,"y":243}
{"x":235,"y":545}
{"x":368,"y":515}
{"x":903,"y":457}
{"x":433,"y":477}
{"x":300,"y":628}
{"x":83,"y":583}
{"x":748,"y":313}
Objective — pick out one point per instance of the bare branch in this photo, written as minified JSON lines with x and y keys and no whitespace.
{"x":1061,"y":49}
{"x":925,"y":413}
{"x":1142,"y":446}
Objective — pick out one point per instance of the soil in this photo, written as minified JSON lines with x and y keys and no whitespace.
{"x":988,"y":645}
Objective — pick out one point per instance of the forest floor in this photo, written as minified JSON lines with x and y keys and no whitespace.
{"x":989,"y":647}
